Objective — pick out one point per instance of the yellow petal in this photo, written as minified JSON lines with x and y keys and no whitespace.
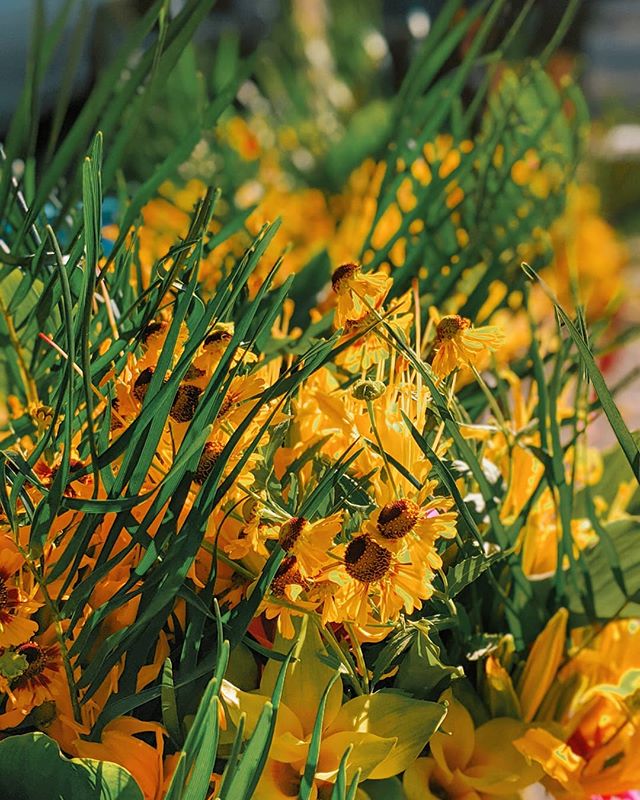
{"x":415,"y":781}
{"x":453,"y":746}
{"x":503,"y":701}
{"x":496,"y":767}
{"x":367,"y":752}
{"x":307,"y":678}
{"x":542,"y":665}
{"x":389,"y":714}
{"x":237,"y":702}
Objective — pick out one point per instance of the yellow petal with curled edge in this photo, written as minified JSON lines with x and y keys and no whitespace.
{"x":237,"y":702}
{"x":367,"y":751}
{"x":542,"y":665}
{"x":390,"y":714}
{"x":496,"y":767}
{"x":453,"y":746}
{"x":307,"y":677}
{"x":555,"y":757}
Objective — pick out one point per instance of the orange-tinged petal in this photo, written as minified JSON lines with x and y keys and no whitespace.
{"x":555,"y":757}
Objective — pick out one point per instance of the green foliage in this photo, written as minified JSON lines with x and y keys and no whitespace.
{"x":33,"y":768}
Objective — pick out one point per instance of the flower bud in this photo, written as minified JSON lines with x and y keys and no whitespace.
{"x":368,"y":389}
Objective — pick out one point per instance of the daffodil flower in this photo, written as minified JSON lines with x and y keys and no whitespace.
{"x":468,"y":763}
{"x":385,"y":731}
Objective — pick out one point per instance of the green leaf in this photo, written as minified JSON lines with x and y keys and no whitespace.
{"x":623,"y":434}
{"x":389,"y":789}
{"x":465,"y":572}
{"x":306,"y":785}
{"x":33,"y":768}
{"x":422,"y":671}
{"x":609,"y":601}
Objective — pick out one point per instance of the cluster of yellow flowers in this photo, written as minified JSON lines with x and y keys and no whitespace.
{"x":351,"y":574}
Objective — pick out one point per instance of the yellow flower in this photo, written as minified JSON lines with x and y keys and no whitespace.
{"x":309,"y":541}
{"x":288,"y":585}
{"x":385,"y":730}
{"x":457,"y":343}
{"x":541,"y":533}
{"x":471,"y":764}
{"x":414,"y":525}
{"x":375,"y":584}
{"x":357,"y":292}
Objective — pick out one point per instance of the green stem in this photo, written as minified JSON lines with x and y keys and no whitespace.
{"x":383,"y":453}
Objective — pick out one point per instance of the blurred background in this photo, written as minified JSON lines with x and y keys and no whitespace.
{"x":326,"y":70}
{"x":601,"y":48}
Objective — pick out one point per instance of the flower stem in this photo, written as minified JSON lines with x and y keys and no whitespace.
{"x":383,"y":453}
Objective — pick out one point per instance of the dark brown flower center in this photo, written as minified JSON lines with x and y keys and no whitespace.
{"x":141,"y":384}
{"x":228,"y":403}
{"x":36,"y":657}
{"x":115,"y":422}
{"x":210,"y":454}
{"x":398,"y":518}
{"x":185,"y":402}
{"x":365,"y":560}
{"x":449,"y":326}
{"x":341,"y":274}
{"x":152,"y":329}
{"x":217,"y":337}
{"x":290,"y":532}
{"x":287,"y":575}
{"x":193,"y":372}
{"x":4,"y":594}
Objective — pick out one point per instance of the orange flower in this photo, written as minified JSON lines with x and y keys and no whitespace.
{"x":15,"y":605}
{"x":120,"y":744}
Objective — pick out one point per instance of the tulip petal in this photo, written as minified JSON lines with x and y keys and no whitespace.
{"x":237,"y":702}
{"x":454,"y":745}
{"x":415,"y":781}
{"x":556,"y":758}
{"x":496,"y":767}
